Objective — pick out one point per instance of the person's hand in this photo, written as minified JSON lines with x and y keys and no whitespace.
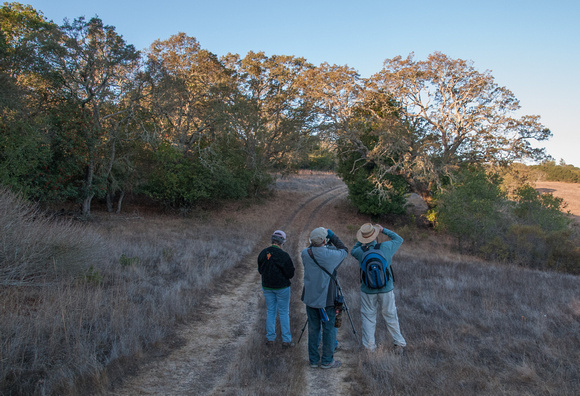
{"x":381,"y":228}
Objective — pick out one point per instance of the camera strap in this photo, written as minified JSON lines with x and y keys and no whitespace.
{"x":311,"y":254}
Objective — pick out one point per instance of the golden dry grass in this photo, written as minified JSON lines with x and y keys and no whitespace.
{"x":569,"y":192}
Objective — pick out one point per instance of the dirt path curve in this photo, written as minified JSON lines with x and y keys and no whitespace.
{"x":225,"y":323}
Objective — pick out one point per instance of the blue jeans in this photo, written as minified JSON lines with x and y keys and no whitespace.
{"x":278,"y":300}
{"x":315,"y":325}
{"x":335,"y":337}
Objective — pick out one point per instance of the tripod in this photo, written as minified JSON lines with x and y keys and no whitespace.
{"x":345,"y":308}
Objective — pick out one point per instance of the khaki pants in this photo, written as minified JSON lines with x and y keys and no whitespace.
{"x":368,"y":310}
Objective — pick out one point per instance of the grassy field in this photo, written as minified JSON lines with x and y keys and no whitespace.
{"x":472,"y":327}
{"x":569,"y":192}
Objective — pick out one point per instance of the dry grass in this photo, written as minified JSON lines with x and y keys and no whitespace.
{"x":35,"y":248}
{"x":148,"y":274}
{"x":133,"y":280}
{"x":472,"y":327}
{"x":569,"y":192}
{"x":484,"y":329}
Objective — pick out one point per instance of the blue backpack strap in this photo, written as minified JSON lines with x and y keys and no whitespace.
{"x":389,"y":269}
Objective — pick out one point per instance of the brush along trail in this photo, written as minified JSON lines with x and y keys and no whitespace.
{"x":231,"y":321}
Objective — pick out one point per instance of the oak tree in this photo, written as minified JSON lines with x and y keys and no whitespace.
{"x":455,"y":114}
{"x":182,"y":84}
{"x":93,"y":65}
{"x":269,"y":113}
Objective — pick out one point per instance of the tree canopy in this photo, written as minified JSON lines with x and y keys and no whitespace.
{"x":84,"y":115}
{"x":431,"y":117}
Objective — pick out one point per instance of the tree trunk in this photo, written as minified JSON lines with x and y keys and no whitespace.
{"x":87,"y":196}
{"x":86,"y":205}
{"x":119,"y":202}
{"x":109,"y":198}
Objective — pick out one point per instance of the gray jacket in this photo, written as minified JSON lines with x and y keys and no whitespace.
{"x":319,"y":289}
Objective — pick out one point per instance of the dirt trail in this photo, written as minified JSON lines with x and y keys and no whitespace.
{"x":202,"y":365}
{"x":321,"y":382}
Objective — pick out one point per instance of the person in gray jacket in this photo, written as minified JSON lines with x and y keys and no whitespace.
{"x":326,"y":252}
{"x":371,"y":298}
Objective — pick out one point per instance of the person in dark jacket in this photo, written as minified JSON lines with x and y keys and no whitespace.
{"x":276,"y":268}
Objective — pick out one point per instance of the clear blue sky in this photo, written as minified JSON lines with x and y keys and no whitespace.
{"x":532,"y":47}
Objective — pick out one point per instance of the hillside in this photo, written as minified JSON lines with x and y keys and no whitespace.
{"x":175,"y":307}
{"x":472,"y":327}
{"x":569,"y":192}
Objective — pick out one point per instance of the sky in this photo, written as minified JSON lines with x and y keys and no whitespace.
{"x":531,"y":47}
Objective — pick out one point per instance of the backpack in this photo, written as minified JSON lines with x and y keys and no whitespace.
{"x":374,"y":268}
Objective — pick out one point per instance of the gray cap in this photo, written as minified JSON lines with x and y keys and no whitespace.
{"x":318,"y":235}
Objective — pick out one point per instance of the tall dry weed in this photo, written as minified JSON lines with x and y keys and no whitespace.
{"x":34,"y":248}
{"x":43,"y":264}
{"x":478,"y":328}
{"x":140,"y":278}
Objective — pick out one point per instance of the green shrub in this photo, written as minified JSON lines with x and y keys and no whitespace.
{"x":368,"y":200}
{"x":126,"y":261}
{"x":364,"y":194}
{"x":531,"y":230}
{"x":93,"y":276}
{"x":544,"y":210}
{"x":472,"y":209}
{"x":496,"y":249}
{"x":528,"y":245}
{"x":565,"y":252}
{"x":531,"y":246}
{"x":180,"y":180}
{"x":23,"y":157}
{"x":321,"y":159}
{"x":561,"y":173}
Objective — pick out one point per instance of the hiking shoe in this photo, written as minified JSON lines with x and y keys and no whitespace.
{"x":333,"y":364}
{"x":269,"y":343}
{"x":399,"y":350}
{"x":287,"y":345}
{"x":314,"y":365}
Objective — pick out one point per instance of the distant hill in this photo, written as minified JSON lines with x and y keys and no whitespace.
{"x":569,"y":192}
{"x":561,"y":173}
